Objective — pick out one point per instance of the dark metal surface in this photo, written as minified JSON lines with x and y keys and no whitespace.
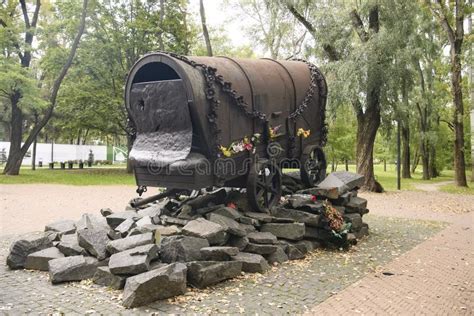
{"x":163,"y":123}
{"x":227,"y":99}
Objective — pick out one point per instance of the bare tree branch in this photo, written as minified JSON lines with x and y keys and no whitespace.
{"x":358,"y":26}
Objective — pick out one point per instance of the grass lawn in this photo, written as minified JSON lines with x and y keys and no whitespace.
{"x":116,"y":175}
{"x":92,"y":176}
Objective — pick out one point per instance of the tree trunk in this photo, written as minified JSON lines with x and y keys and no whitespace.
{"x":14,"y":160}
{"x":33,"y":156}
{"x":416,"y":160}
{"x":129,"y":148}
{"x":161,"y":44}
{"x":433,"y":171}
{"x":347,"y":165}
{"x":204,"y":28}
{"x":385,"y":165}
{"x":406,"y":152}
{"x":456,"y":86}
{"x":367,"y":125}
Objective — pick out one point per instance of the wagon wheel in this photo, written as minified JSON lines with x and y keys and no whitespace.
{"x":313,"y":166}
{"x":264,"y":185}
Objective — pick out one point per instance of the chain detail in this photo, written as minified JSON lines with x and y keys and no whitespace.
{"x":316,"y":81}
{"x":211,"y":77}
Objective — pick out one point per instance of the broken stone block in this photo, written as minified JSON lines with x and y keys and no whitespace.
{"x":25,"y":245}
{"x":75,"y":268}
{"x":239,"y":242}
{"x":145,"y":220}
{"x":216,"y":234}
{"x":231,"y":226}
{"x":209,"y":209}
{"x":308,"y":245}
{"x":282,"y":220}
{"x":115,"y":219}
{"x":351,"y":239}
{"x":252,"y":262}
{"x":317,"y":233}
{"x":105,"y":211}
{"x":294,"y":231}
{"x":204,"y":273}
{"x":218,"y":253}
{"x":297,"y":200}
{"x":150,"y":211}
{"x":157,"y":284}
{"x":298,"y":216}
{"x":262,"y":217}
{"x":168,"y":220}
{"x":356,"y":204}
{"x":133,"y":261}
{"x":113,"y":234}
{"x":261,"y":249}
{"x":364,"y":231}
{"x":130,"y":242}
{"x":249,"y":221}
{"x":187,"y":213}
{"x":182,"y":248}
{"x":39,"y":260}
{"x":62,"y":227}
{"x":92,"y":221}
{"x":262,"y":238}
{"x":301,"y":247}
{"x":294,"y":253}
{"x":279,"y":256}
{"x":342,"y":182}
{"x":355,"y":219}
{"x":343,"y":199}
{"x":247,"y":228}
{"x":125,"y":226}
{"x":69,"y":245}
{"x":228,"y":212}
{"x":350,"y":179}
{"x":94,"y":241}
{"x":163,"y":230}
{"x":104,"y":277}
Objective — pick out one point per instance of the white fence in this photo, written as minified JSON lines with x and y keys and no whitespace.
{"x":61,"y":152}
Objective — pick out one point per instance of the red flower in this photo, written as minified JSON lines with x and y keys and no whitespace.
{"x":313,"y":198}
{"x":232,"y":205}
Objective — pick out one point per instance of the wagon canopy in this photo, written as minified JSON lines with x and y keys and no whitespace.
{"x":168,"y":99}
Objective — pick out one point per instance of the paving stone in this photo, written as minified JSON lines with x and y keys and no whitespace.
{"x":182,"y":248}
{"x":75,"y":268}
{"x":94,"y":241}
{"x":25,"y":245}
{"x":219,"y":253}
{"x":262,"y":238}
{"x":298,"y":216}
{"x":69,"y":245}
{"x":130,"y":242}
{"x":252,"y":262}
{"x":261,"y":249}
{"x":156,"y":284}
{"x":133,"y":261}
{"x":62,"y":227}
{"x":216,"y":234}
{"x":262,"y":217}
{"x":125,"y":226}
{"x":39,"y":260}
{"x":279,"y":256}
{"x":228,"y":212}
{"x":115,"y":219}
{"x":294,"y":231}
{"x":204,"y":273}
{"x":104,"y":277}
{"x":239,"y":242}
{"x":231,"y":226}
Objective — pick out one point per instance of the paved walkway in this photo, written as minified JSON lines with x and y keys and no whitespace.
{"x":434,"y":278}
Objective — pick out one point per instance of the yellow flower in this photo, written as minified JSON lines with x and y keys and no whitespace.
{"x":302,"y":132}
{"x":225,"y":151}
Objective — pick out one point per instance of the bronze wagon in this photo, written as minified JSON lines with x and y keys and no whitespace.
{"x":201,"y":122}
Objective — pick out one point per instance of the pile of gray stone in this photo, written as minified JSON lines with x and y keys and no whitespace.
{"x":156,"y":251}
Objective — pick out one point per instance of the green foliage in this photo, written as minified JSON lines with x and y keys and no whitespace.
{"x":341,"y":136}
